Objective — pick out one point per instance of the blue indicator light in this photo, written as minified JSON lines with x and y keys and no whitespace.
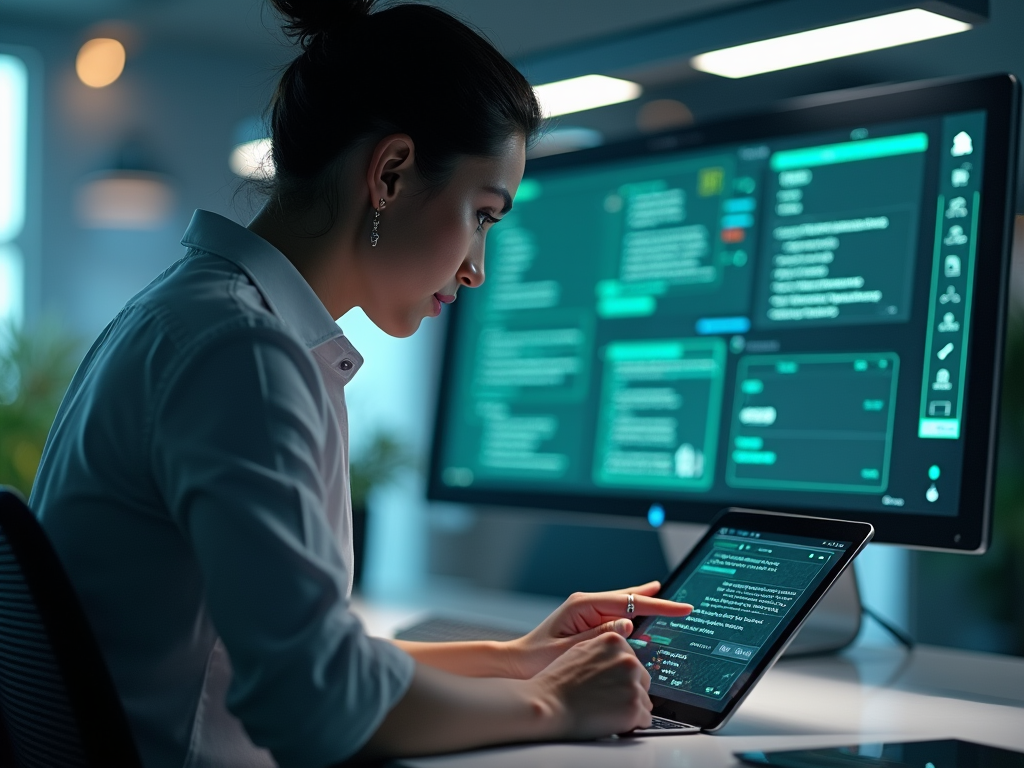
{"x":733,"y":220}
{"x":739,"y":205}
{"x":656,"y":515}
{"x":713,"y":325}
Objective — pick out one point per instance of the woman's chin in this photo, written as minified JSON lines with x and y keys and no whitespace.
{"x":403,"y":328}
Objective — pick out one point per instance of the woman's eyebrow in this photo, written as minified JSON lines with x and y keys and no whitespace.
{"x":504,"y":194}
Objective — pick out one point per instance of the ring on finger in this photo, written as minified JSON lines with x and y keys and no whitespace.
{"x":629,"y":604}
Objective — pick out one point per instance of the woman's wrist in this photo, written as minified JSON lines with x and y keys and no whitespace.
{"x":548,"y":714}
{"x":524,"y":658}
{"x":513,"y":656}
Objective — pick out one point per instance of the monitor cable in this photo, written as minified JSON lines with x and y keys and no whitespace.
{"x":902,"y":637}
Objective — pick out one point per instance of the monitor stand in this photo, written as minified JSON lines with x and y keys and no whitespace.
{"x":832,"y":626}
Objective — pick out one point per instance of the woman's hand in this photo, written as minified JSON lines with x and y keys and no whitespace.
{"x":585,"y":616}
{"x":596,"y":688}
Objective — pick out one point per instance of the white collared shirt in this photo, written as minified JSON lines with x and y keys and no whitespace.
{"x":195,"y":485}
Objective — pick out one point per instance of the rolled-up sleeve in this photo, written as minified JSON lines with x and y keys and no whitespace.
{"x":240,"y":439}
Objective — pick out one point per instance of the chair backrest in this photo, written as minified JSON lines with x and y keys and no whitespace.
{"x":57,"y":701}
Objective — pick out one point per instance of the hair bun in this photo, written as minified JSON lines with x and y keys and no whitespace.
{"x":305,"y":20}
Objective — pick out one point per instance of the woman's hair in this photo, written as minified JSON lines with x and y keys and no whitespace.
{"x":407,"y":68}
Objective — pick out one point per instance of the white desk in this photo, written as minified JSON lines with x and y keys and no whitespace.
{"x":865,"y":694}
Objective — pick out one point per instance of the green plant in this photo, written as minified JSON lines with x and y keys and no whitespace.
{"x":1000,"y":578}
{"x":377,"y":465}
{"x":35,"y":370}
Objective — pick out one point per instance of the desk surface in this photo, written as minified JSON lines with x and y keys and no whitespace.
{"x":862,"y":695}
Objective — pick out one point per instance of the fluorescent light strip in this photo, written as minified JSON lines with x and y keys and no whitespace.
{"x":587,"y":92}
{"x":826,"y":43}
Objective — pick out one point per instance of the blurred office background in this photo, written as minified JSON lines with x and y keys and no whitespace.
{"x":136,"y":112}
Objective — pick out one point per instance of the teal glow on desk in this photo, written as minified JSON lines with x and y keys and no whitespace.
{"x":865,"y":694}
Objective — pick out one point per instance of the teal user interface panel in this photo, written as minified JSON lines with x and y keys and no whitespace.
{"x":781,"y":322}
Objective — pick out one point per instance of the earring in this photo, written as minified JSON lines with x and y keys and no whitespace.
{"x":374,"y":237}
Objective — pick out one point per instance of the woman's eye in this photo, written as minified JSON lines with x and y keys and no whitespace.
{"x":485,"y":218}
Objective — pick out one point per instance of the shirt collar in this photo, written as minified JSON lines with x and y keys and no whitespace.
{"x":285,"y":290}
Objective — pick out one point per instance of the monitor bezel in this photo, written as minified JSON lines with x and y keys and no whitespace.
{"x":999,"y":96}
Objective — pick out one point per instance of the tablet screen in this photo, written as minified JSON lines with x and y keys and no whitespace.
{"x":746,"y":587}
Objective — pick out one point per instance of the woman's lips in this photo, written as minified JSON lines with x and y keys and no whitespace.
{"x":439,"y":299}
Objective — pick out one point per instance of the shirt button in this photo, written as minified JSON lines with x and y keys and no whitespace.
{"x":345,"y":365}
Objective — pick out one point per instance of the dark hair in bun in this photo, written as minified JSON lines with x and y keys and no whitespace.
{"x":305,"y":19}
{"x":407,"y":68}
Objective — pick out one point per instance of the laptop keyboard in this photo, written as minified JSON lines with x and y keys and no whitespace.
{"x":439,"y":629}
{"x":660,"y":724}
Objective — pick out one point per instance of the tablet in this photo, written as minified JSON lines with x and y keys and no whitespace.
{"x":948,"y":753}
{"x":752,"y":580}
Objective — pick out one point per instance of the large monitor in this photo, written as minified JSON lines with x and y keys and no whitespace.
{"x":798,"y":311}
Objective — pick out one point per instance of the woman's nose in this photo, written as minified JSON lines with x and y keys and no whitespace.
{"x":471,"y":274}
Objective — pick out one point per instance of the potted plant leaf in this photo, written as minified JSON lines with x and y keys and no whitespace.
{"x":35,"y":370}
{"x":379,"y":464}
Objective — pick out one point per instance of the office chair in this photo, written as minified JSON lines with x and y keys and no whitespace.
{"x":57,"y":701}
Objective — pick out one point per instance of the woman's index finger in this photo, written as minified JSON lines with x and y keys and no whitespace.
{"x":655,"y":606}
{"x":617,"y":604}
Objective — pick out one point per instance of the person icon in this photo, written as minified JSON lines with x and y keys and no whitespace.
{"x":950,"y":296}
{"x":957,"y":208}
{"x":955,"y":236}
{"x":949,"y":324}
{"x":962,"y":145}
{"x":942,"y":382}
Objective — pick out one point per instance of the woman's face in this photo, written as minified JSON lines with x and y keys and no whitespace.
{"x":432,"y":241}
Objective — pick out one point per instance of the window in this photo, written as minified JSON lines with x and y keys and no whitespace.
{"x":13,"y":159}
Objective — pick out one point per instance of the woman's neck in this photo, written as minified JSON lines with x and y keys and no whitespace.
{"x":324,"y":260}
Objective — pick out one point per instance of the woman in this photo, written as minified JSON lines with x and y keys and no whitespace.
{"x":195,"y":482}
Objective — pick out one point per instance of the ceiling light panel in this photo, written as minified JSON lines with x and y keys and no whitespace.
{"x":826,"y":43}
{"x":587,"y":92}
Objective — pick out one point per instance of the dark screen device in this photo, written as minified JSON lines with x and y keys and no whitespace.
{"x":753,"y":579}
{"x":946,"y":753}
{"x":801,"y":310}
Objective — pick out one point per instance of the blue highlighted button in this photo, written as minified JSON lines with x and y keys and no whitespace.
{"x":708,"y":326}
{"x":734,"y":220}
{"x":739,"y":205}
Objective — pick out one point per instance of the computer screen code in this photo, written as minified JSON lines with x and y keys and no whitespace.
{"x":779,"y":322}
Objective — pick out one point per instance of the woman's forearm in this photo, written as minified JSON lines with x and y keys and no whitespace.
{"x":478,"y":658}
{"x":442,"y":712}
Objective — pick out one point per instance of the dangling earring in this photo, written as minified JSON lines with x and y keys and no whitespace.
{"x":374,"y":237}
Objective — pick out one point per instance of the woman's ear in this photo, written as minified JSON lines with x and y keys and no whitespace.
{"x":390,"y":168}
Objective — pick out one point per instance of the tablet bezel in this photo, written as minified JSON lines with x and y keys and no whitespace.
{"x":859,"y":534}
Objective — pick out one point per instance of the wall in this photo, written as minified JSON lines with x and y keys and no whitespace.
{"x":184,"y":104}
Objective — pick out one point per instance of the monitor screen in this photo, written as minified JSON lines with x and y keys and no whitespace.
{"x":799,"y":311}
